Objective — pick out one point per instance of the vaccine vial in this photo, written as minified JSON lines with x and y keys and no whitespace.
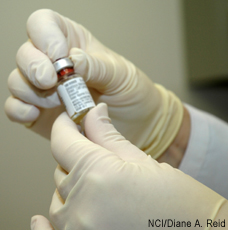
{"x":72,"y":90}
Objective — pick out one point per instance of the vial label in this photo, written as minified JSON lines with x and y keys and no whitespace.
{"x":75,"y":95}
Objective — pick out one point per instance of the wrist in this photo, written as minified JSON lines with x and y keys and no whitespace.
{"x":174,"y":154}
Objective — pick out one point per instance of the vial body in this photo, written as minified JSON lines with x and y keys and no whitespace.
{"x":74,"y":93}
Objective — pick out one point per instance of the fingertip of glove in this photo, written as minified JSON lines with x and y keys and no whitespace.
{"x":103,"y":113}
{"x":37,"y":14}
{"x":62,"y":125}
{"x":96,"y":117}
{"x":33,"y":222}
{"x":100,"y":112}
{"x":46,"y":29}
{"x":79,"y":58}
{"x":102,"y":108}
{"x":40,"y":222}
{"x":20,"y":112}
{"x":59,"y":126}
{"x":63,"y":117}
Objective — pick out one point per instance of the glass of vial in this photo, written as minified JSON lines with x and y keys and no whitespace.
{"x":72,"y":90}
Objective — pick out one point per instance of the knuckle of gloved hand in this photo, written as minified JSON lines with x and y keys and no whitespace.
{"x":63,"y":189}
{"x":100,"y":181}
{"x":96,"y":179}
{"x":55,"y":216}
{"x":61,"y":183}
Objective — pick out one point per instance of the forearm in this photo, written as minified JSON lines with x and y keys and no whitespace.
{"x":175,"y":152}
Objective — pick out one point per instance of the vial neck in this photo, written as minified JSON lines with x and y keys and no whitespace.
{"x":64,"y":73}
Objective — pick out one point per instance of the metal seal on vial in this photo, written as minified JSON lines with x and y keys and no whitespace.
{"x":62,"y":64}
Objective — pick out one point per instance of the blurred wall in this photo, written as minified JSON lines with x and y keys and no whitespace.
{"x":149,"y":33}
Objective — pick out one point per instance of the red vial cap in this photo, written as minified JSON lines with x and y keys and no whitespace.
{"x":66,"y":71}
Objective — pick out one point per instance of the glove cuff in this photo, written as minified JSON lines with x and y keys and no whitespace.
{"x":169,"y":120}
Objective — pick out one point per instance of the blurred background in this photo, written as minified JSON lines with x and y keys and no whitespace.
{"x":180,"y":44}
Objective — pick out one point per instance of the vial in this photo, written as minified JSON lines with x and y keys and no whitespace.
{"x":72,"y":90}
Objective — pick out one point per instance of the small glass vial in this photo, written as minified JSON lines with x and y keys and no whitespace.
{"x":72,"y":90}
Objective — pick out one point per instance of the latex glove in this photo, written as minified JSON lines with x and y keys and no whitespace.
{"x":105,"y":182}
{"x":145,"y":113}
{"x":40,"y":223}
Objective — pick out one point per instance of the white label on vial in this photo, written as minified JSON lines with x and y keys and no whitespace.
{"x":75,"y":95}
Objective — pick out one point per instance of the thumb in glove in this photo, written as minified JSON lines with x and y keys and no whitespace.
{"x":105,"y":182}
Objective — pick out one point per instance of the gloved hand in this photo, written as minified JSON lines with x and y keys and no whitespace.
{"x":105,"y":182}
{"x":145,"y":113}
{"x":40,"y":223}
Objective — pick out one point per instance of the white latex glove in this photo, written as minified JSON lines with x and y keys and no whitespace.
{"x":40,"y":223}
{"x":146,"y":114}
{"x":105,"y":182}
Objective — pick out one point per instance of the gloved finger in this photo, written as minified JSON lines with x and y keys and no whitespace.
{"x":44,"y":122}
{"x":98,"y":129}
{"x":71,"y":149}
{"x":21,"y":112}
{"x":36,"y":66}
{"x":38,"y":119}
{"x":97,"y":69}
{"x":55,"y":207}
{"x":23,"y":90}
{"x":78,"y":156}
{"x":62,"y":187}
{"x":56,"y":35}
{"x":49,"y":32}
{"x":40,"y":223}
